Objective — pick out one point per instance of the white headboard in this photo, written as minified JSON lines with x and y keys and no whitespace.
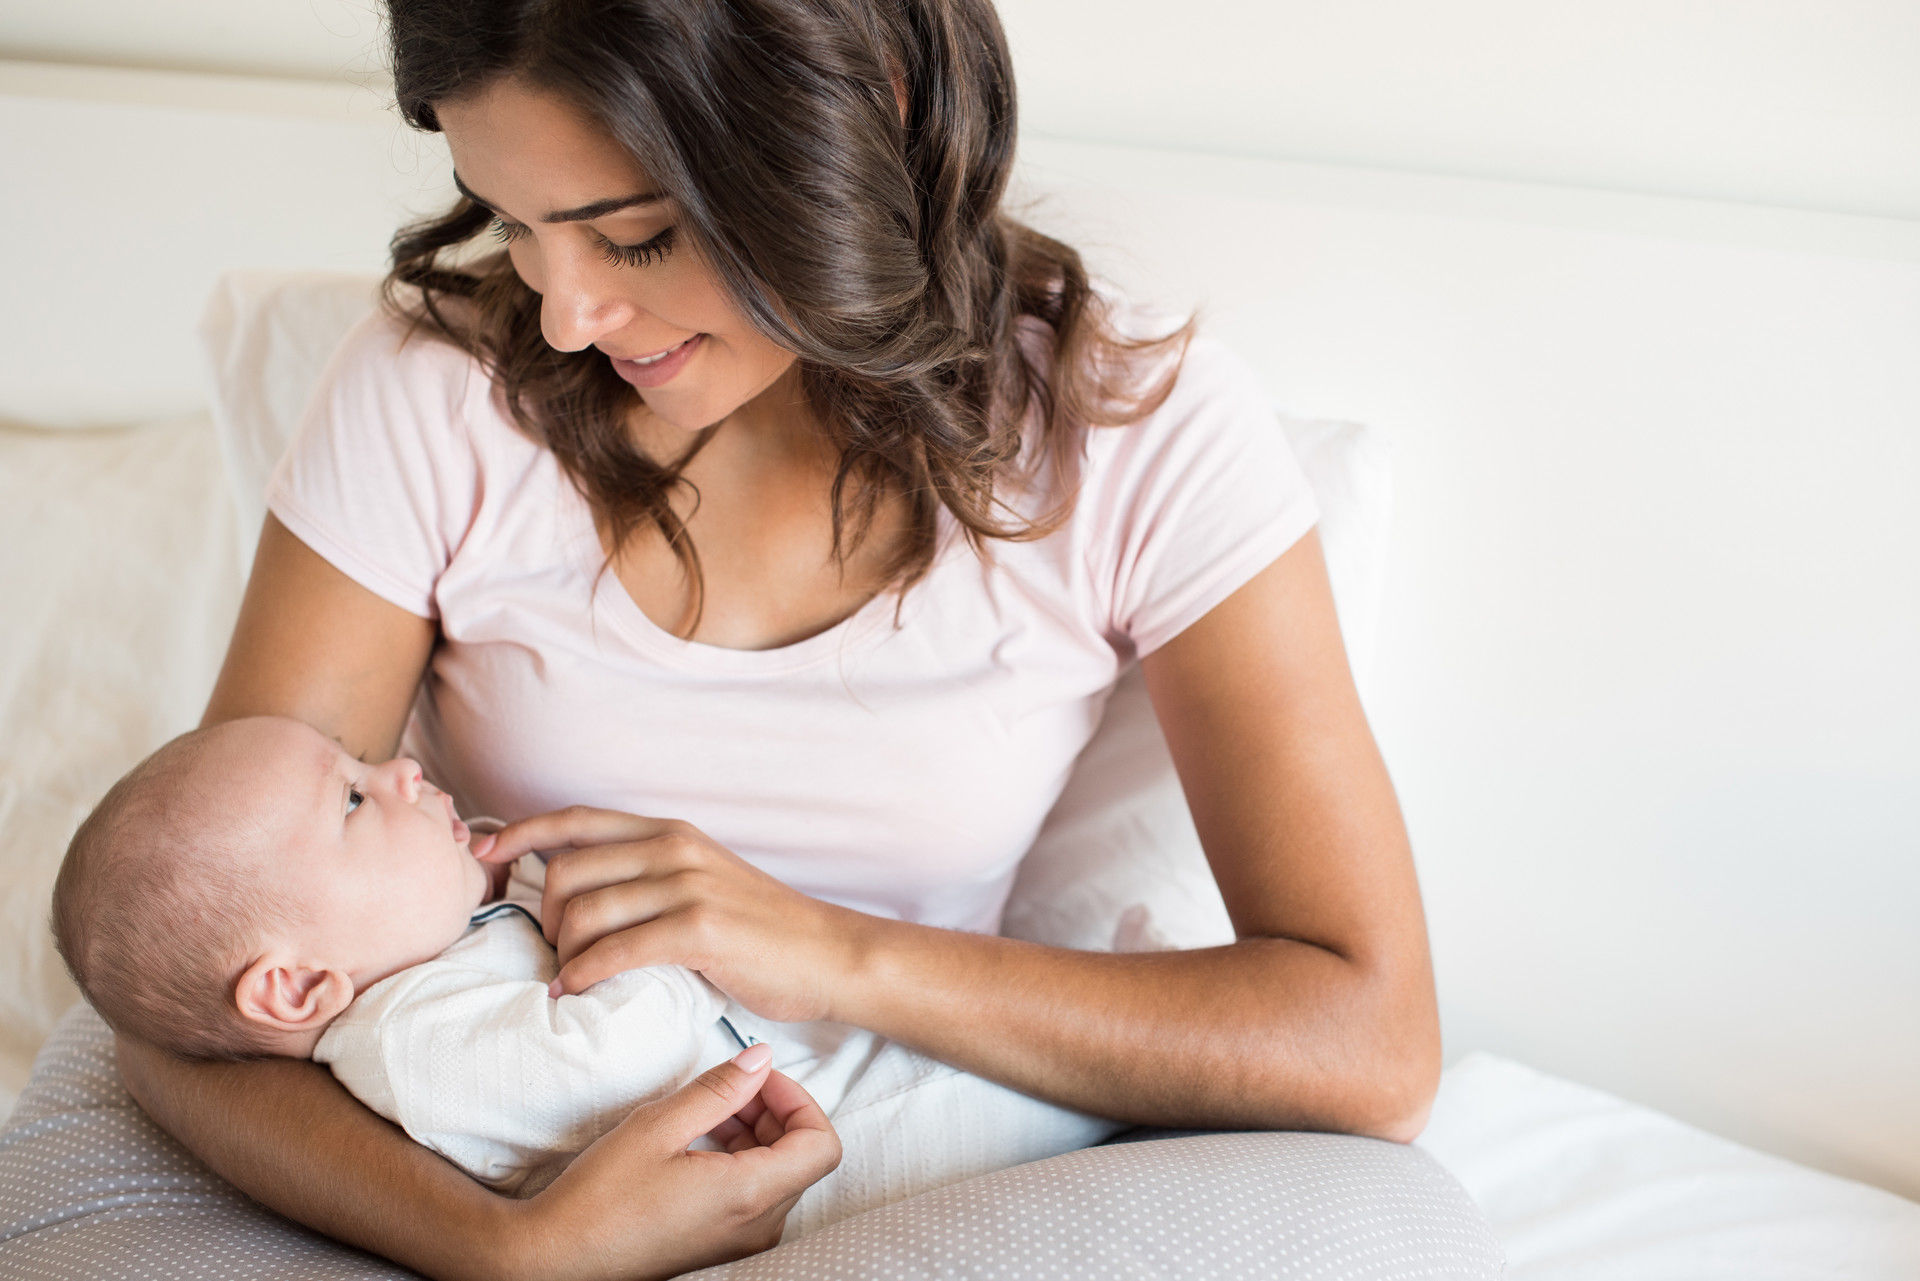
{"x":1647,"y":676}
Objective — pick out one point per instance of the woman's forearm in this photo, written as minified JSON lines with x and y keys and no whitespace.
{"x":285,"y":1133}
{"x":1263,"y":1033}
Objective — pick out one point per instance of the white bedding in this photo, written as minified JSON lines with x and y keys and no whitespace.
{"x":116,"y":561}
{"x":1582,"y":1186}
{"x":120,"y":586}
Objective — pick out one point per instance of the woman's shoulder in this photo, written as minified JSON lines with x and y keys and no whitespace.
{"x":402,"y":350}
{"x":393,"y":367}
{"x":1215,"y":401}
{"x":400,"y":444}
{"x":1180,"y":505}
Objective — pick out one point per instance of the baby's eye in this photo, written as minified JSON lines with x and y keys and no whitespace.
{"x":354,"y":797}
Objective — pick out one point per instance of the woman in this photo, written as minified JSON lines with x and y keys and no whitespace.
{"x":771,"y":477}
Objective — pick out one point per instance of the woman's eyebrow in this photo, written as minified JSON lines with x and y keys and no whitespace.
{"x":585,"y":213}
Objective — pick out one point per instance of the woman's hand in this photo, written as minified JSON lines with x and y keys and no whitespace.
{"x":638,"y":1193}
{"x":498,"y":874}
{"x":624,"y":892}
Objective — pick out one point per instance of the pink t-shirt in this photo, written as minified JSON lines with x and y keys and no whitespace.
{"x":898,"y":772}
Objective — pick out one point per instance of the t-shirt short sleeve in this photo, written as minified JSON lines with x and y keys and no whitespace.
{"x":1193,"y":500}
{"x":381,"y":478}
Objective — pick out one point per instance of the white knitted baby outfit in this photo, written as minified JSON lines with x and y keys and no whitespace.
{"x":471,"y":1057}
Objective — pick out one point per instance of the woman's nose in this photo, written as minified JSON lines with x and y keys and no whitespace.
{"x":578,"y":308}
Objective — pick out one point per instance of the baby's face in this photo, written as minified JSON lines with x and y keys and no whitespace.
{"x":373,"y":854}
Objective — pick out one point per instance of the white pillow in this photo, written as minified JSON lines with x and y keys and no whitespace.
{"x":1117,"y":865}
{"x":119,"y":597}
{"x":266,"y":336}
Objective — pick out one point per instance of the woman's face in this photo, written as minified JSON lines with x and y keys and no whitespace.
{"x":611,"y":271}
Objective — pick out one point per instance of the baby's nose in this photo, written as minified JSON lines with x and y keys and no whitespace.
{"x":410,"y":777}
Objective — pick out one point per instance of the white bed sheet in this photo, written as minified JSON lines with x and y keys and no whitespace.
{"x":1580,"y":1185}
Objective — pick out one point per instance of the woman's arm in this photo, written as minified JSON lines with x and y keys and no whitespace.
{"x":313,"y":644}
{"x":287,"y":1135}
{"x":1321,"y":1016}
{"x":636,"y":1204}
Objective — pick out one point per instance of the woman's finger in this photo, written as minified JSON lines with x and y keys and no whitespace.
{"x":704,"y":1102}
{"x":665,"y":940}
{"x":788,"y":1166}
{"x":579,"y":872}
{"x":787,"y":1100}
{"x":566,"y":829}
{"x":590,"y":917}
{"x":731,"y":1134}
{"x":595,"y":871}
{"x":753,"y":1125}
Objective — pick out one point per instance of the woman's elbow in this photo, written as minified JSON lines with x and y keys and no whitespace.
{"x":1394,"y":1099}
{"x":1407,"y":1072}
{"x":1378,"y":1068}
{"x":1392,"y":1052}
{"x":1406,"y":1122}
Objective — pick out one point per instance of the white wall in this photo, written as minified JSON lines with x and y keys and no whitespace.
{"x":1806,"y":103}
{"x":1646,"y":679}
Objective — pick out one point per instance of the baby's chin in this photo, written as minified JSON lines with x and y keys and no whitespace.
{"x":483,"y":874}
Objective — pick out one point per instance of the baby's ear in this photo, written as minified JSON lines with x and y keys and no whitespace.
{"x":292,"y":996}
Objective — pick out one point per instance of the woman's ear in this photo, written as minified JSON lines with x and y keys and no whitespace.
{"x":292,"y":996}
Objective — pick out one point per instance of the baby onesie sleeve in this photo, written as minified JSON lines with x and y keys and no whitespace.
{"x":1190,"y":502}
{"x":381,"y":477}
{"x":486,"y":1069}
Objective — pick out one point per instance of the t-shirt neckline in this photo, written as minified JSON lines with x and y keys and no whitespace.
{"x":614,"y":606}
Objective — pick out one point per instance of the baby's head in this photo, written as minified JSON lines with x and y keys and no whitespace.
{"x":231,"y":894}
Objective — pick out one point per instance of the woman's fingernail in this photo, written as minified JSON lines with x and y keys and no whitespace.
{"x":481,"y":844}
{"x":553,"y":989}
{"x":754,"y":1057}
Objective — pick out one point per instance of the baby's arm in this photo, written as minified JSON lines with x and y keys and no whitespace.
{"x":482,"y":1066}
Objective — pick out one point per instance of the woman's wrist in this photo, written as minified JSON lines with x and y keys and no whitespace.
{"x":868,"y":947}
{"x":488,"y":1238}
{"x":511,"y":1240}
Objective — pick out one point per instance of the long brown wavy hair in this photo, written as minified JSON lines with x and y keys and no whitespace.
{"x":876,"y":252}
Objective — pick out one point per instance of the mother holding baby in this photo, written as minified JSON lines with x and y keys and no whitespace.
{"x":763,"y":525}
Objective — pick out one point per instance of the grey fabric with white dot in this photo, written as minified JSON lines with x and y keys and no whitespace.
{"x":91,"y":1190}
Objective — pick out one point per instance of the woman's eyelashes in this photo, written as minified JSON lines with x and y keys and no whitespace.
{"x":623,"y":255}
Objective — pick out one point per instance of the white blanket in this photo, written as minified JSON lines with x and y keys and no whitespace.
{"x":470,"y":1056}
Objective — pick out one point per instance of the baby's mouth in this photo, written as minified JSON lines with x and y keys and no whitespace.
{"x":461,"y":832}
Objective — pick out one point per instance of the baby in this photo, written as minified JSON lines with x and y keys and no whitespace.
{"x":251,"y":889}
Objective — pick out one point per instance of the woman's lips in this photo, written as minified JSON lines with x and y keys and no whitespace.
{"x":660,"y":371}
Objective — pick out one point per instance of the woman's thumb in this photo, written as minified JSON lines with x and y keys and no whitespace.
{"x":713,"y":1096}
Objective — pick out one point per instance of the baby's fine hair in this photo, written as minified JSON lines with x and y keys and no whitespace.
{"x":159,"y":903}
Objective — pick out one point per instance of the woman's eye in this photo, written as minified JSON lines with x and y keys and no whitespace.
{"x":354,"y":797}
{"x":507,"y":231}
{"x":640,"y":255}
